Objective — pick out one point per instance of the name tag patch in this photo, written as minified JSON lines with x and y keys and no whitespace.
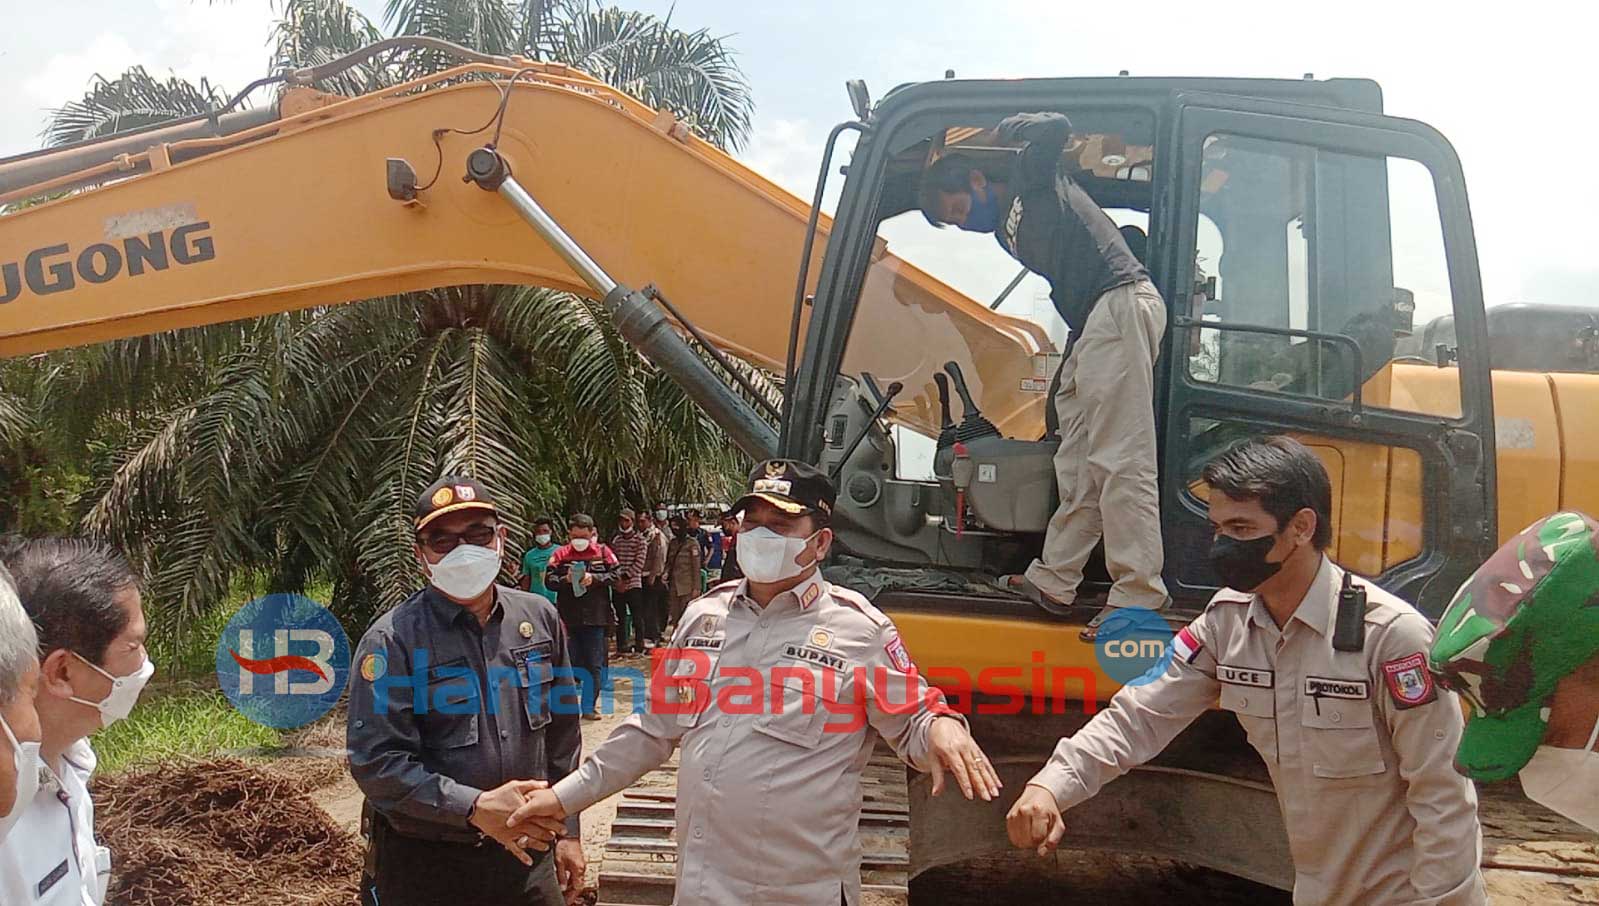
{"x":53,"y":878}
{"x":1326,"y":687}
{"x":1245,"y":676}
{"x":705,"y":643}
{"x":813,"y":656}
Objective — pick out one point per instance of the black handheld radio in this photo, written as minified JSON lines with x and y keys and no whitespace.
{"x":1349,"y":629}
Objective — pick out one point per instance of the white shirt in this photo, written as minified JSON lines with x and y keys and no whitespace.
{"x":51,"y":857}
{"x":1359,"y":744}
{"x":768,"y":801}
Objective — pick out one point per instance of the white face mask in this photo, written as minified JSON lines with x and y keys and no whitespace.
{"x":1566,"y":781}
{"x":765,"y":556}
{"x":541,"y":540}
{"x":28,"y":763}
{"x":580,"y":544}
{"x":660,"y":515}
{"x":467,"y":571}
{"x":118,"y":703}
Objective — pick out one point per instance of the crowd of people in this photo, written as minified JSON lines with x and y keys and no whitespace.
{"x":626,"y":595}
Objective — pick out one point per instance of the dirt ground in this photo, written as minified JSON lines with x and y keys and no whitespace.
{"x":1562,"y":867}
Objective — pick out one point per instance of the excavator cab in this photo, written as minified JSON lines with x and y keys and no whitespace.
{"x":1298,"y":237}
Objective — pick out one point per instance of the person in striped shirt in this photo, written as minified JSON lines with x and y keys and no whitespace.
{"x":630,"y":546}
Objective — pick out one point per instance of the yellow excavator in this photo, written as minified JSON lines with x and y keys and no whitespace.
{"x":1317,"y":255}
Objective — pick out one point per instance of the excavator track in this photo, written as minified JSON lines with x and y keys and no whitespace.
{"x":640,"y":861}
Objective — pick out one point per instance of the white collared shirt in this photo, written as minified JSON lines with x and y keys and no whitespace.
{"x":1359,"y":744}
{"x":769,"y":797}
{"x":51,"y":858}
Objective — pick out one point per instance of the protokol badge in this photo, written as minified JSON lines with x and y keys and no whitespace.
{"x":525,"y":629}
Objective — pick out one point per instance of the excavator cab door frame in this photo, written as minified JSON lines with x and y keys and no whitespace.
{"x":1343,"y":215}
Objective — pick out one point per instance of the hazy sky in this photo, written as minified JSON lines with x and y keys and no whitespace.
{"x":1507,"y":87}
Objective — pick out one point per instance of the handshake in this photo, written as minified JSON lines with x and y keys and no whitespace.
{"x":520,"y":815}
{"x":524,"y":814}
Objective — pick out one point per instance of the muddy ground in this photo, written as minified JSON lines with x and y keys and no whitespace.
{"x":1562,"y":867}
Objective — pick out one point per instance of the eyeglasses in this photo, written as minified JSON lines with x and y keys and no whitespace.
{"x":476,"y":535}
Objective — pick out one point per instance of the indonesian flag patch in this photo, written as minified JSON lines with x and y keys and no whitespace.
{"x":1185,"y":647}
{"x":1408,"y":681}
{"x":897,"y":655}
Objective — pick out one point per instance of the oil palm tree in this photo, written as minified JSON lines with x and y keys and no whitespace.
{"x":295,"y":444}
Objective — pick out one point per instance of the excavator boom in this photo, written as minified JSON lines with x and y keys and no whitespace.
{"x":297,"y":212}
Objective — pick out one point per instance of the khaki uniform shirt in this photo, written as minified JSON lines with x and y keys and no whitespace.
{"x":768,"y":799}
{"x":1360,"y":745}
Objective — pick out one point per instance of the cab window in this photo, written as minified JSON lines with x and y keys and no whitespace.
{"x":1311,"y":241}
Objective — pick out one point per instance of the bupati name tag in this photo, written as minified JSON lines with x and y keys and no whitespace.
{"x":1325,"y":687}
{"x":1245,"y":676}
{"x":814,"y":656}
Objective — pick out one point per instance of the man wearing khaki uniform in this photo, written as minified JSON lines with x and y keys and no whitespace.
{"x":1105,"y":467}
{"x":1359,"y":744}
{"x":769,"y":798}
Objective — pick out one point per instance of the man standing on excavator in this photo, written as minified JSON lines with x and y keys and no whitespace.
{"x":1105,"y":468}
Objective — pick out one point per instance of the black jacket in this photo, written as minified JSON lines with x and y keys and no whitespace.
{"x":442,"y":708}
{"x":1055,"y":228}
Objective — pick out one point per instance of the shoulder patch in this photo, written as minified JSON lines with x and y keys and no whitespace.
{"x":1409,"y":683}
{"x":897,"y":655}
{"x":373,"y":666}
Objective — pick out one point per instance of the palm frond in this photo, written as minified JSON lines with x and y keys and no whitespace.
{"x":693,"y":74}
{"x":130,"y":101}
{"x":490,"y":26}
{"x":314,"y":32}
{"x":15,"y":419}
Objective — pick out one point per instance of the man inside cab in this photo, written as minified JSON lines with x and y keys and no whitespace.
{"x":1105,"y":468}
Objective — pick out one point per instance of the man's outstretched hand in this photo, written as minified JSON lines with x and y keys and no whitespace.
{"x":493,"y":807}
{"x":951,"y":747}
{"x":1035,"y":821}
{"x":539,"y":808}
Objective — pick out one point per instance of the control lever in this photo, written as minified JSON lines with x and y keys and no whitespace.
{"x":946,"y":425}
{"x":973,"y":425}
{"x":870,"y":383}
{"x":882,"y":407}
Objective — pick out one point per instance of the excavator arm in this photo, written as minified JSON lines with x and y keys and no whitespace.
{"x":297,"y":211}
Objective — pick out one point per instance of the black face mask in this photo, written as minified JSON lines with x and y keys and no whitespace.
{"x":1242,"y":565}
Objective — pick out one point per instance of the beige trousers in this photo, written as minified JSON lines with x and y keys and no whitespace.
{"x":1105,"y":467}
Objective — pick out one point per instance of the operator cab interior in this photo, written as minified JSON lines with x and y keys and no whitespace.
{"x":1313,"y":265}
{"x":904,"y":481}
